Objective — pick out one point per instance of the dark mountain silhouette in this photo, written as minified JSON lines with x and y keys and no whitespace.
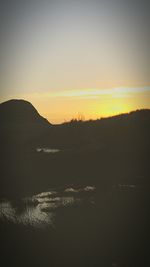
{"x":121,"y":128}
{"x":20,"y":111}
{"x":21,"y":124}
{"x":20,"y":119}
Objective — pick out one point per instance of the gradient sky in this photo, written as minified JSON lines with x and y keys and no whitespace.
{"x":73,"y":57}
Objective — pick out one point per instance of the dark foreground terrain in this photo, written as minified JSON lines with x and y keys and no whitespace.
{"x":87,"y":183}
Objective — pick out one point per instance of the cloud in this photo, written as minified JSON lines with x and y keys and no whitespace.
{"x":121,"y":92}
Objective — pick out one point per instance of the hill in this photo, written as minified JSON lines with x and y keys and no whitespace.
{"x":124,"y":128}
{"x":21,"y":124}
{"x":20,"y":111}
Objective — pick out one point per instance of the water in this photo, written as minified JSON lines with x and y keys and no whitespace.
{"x":47,"y":150}
{"x":29,"y":215}
{"x":76,"y":226}
{"x":41,"y":209}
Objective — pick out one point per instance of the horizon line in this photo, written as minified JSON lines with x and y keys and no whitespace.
{"x":80,"y":118}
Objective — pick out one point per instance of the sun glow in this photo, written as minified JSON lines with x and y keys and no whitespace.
{"x":65,"y":105}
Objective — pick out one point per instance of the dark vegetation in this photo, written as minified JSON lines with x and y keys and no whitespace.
{"x":104,"y":153}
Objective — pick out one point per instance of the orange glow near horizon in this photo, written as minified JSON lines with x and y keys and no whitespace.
{"x":87,"y":104}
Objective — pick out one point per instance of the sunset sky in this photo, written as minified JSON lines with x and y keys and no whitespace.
{"x":76,"y":57}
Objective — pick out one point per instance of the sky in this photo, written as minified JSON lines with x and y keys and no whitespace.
{"x":76,"y":58}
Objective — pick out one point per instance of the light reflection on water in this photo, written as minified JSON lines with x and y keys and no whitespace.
{"x":47,"y":150}
{"x":40,"y":210}
{"x":31,"y":215}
